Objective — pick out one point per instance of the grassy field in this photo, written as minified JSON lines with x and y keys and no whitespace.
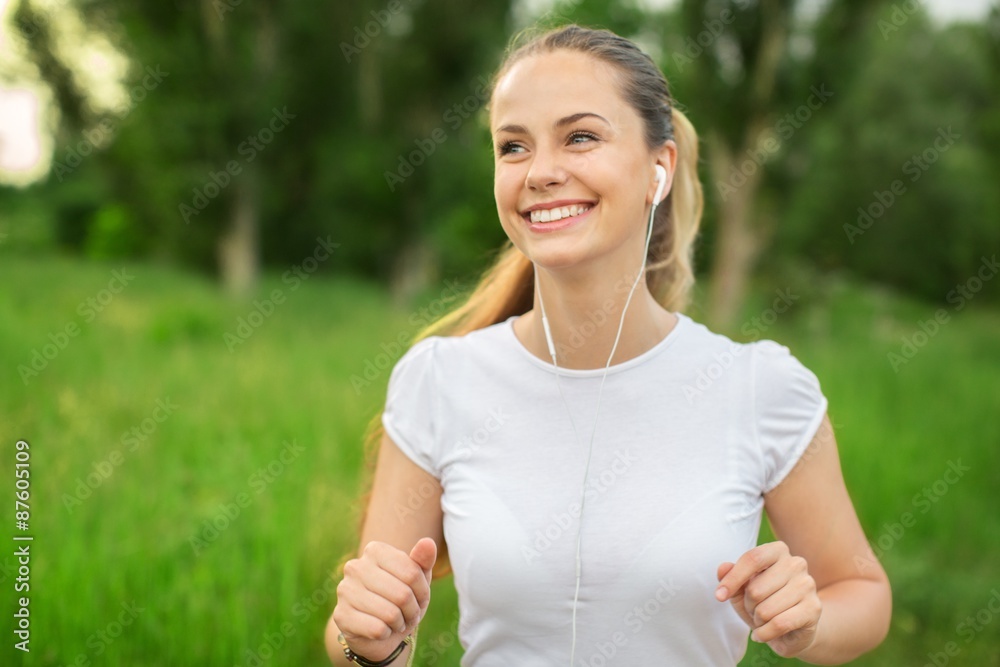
{"x":194,"y":479}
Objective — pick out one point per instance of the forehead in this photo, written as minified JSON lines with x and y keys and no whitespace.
{"x":552,"y":85}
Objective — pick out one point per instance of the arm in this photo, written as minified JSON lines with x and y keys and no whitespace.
{"x":387,"y":529}
{"x":819,"y":593}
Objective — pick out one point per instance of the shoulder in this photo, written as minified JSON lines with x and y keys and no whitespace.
{"x":707,"y":348}
{"x":419,"y":355}
{"x":762,"y":356}
{"x":774,"y":363}
{"x":450,"y":351}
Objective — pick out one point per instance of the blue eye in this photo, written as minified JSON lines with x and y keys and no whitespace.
{"x":585,"y":135}
{"x":507,"y":147}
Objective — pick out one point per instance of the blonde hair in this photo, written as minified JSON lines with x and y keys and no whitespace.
{"x":506,"y":287}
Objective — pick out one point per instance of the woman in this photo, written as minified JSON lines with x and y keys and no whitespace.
{"x":584,"y":533}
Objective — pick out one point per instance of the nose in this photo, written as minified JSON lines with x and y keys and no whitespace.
{"x":546,"y":170}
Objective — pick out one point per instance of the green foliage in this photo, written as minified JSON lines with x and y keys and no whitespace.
{"x":112,"y":234}
{"x":294,"y":379}
{"x":27,"y":225}
{"x":388,"y":147}
{"x":892,"y":179}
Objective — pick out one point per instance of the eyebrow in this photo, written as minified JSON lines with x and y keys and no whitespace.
{"x":519,"y":129}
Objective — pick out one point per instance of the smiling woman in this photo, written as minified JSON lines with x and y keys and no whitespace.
{"x":631,"y":539}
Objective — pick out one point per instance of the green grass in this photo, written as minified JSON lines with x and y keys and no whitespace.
{"x":267,"y":573}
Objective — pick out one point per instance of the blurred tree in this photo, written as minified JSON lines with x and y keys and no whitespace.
{"x":362,"y":86}
{"x":737,"y":50}
{"x":253,"y":131}
{"x":756,"y":73}
{"x":431,"y":180}
{"x":901,"y":172}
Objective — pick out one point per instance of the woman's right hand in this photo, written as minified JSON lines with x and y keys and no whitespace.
{"x":383,"y":596}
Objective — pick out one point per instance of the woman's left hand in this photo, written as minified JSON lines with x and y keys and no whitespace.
{"x":774,"y":594}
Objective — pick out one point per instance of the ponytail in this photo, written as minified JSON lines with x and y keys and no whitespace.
{"x":671,"y":255}
{"x":507,"y":286}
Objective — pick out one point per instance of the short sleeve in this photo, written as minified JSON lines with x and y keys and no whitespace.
{"x":789,"y":407}
{"x":410,"y":405}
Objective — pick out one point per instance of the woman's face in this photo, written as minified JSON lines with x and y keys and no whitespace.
{"x":565,"y":142}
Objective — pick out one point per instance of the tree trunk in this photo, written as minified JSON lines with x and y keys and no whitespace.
{"x":239,"y":245}
{"x":239,"y":263}
{"x":739,"y":178}
{"x":737,"y":246}
{"x":369,"y":90}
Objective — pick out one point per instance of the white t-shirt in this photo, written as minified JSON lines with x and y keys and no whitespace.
{"x":691,"y":434}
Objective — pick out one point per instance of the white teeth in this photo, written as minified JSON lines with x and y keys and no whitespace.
{"x":553,"y":214}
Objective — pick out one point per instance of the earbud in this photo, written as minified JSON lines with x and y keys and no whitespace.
{"x":661,"y":185}
{"x":661,"y":179}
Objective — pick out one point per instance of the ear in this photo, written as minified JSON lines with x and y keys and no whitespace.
{"x":667,"y":158}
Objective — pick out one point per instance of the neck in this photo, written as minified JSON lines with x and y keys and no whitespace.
{"x":583,"y":316}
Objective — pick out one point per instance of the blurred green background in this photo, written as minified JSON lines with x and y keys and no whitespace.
{"x":243,"y":212}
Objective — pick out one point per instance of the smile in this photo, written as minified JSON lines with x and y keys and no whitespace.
{"x":555,"y":214}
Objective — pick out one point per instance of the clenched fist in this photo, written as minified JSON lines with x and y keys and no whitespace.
{"x":775,"y":595}
{"x":383,"y":596}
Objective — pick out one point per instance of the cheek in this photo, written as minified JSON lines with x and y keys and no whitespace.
{"x":505,"y":193}
{"x":506,"y":190}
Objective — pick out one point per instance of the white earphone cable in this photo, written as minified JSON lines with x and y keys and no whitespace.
{"x":552,"y":352}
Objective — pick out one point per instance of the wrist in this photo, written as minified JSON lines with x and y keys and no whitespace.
{"x":368,"y":661}
{"x":815,"y":647}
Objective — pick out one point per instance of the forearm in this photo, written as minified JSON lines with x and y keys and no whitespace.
{"x":855,"y":619}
